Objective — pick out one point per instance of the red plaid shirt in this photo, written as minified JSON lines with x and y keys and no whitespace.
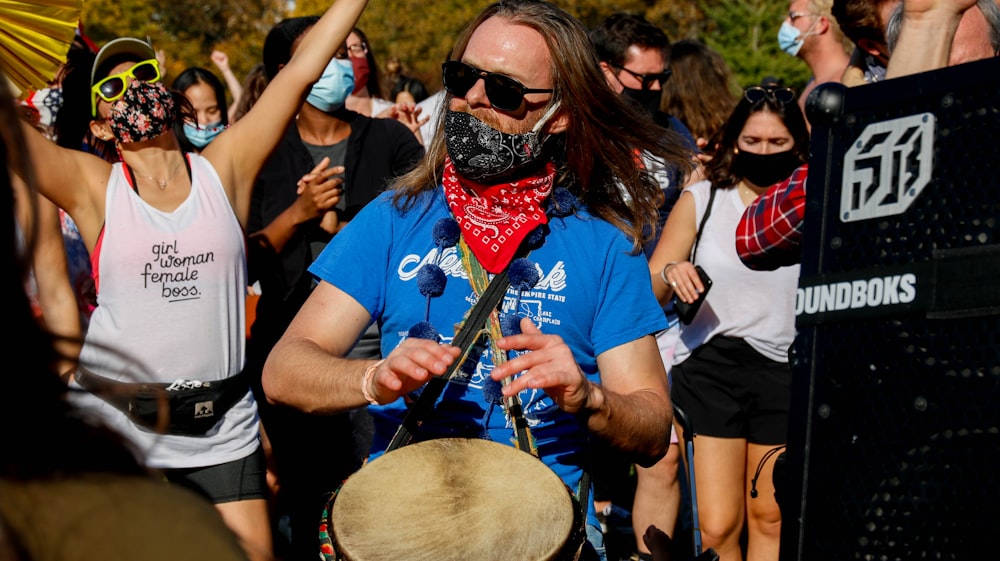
{"x":770,"y":233}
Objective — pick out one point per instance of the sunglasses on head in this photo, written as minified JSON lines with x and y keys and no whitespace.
{"x":113,"y":87}
{"x":756,"y":94}
{"x":648,"y":79}
{"x":504,"y":92}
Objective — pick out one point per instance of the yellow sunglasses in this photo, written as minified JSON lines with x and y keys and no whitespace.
{"x":113,"y":87}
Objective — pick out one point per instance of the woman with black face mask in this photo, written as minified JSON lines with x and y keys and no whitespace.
{"x":730,"y":371}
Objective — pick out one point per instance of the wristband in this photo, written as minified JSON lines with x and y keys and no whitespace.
{"x":366,"y":381}
{"x":663,"y":273}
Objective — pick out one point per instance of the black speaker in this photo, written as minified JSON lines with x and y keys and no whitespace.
{"x":894,"y":440}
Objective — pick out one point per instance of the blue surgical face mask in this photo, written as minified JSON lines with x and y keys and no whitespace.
{"x":331,"y":90}
{"x":790,"y":39}
{"x":200,"y":136}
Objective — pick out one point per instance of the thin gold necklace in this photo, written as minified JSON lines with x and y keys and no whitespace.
{"x":753,"y":194}
{"x":162,"y":183}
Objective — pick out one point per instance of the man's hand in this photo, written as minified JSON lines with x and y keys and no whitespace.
{"x":549,"y":365}
{"x":409,"y":366}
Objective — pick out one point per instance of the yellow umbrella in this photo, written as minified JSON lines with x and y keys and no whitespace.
{"x":34,"y":39}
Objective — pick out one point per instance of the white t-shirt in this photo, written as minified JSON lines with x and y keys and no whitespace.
{"x":756,"y":306}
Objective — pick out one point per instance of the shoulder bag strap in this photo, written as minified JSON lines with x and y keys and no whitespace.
{"x":704,"y":219}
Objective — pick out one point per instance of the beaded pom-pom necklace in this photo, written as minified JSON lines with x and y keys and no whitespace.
{"x":522,"y":273}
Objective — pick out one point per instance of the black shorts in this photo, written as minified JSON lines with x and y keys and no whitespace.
{"x":239,"y":480}
{"x":729,"y":390}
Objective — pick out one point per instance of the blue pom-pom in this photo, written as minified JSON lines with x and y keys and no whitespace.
{"x":563,"y":202}
{"x":446,"y":232}
{"x":431,"y":280}
{"x":424,"y":330}
{"x":523,"y":274}
{"x":492,"y":391}
{"x":510,"y":324}
{"x":535,"y":238}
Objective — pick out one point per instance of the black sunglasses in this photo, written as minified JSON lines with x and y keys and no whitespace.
{"x":756,"y":94}
{"x":504,"y":92}
{"x":648,"y":79}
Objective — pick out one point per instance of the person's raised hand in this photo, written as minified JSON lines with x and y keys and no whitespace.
{"x":220,"y":59}
{"x":918,"y":7}
{"x":410,"y":115}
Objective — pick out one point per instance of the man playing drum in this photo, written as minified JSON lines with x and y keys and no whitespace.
{"x":530,"y":166}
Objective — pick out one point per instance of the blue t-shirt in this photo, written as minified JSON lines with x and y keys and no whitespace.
{"x":593,"y":292}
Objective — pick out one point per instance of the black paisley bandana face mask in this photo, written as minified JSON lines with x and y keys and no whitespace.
{"x":145,"y":111}
{"x":483,"y":154}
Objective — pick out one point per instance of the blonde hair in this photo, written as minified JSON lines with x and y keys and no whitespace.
{"x":825,"y":8}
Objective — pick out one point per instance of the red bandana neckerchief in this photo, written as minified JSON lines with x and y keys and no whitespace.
{"x":497,"y":218}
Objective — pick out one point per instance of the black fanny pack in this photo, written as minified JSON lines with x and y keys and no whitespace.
{"x":189,"y":407}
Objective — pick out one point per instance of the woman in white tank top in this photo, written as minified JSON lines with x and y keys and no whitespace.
{"x":731,"y":375}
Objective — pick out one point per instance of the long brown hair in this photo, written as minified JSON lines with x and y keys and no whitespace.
{"x":700,"y":90}
{"x":597,"y":156}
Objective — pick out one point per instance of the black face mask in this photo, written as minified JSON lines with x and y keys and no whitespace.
{"x":647,"y":100}
{"x":764,"y":170}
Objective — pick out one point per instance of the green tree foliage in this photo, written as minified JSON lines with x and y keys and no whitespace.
{"x":745,"y":32}
{"x":188,"y":30}
{"x":421,"y":33}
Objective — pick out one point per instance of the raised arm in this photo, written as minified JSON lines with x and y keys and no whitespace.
{"x":72,"y":179}
{"x":240,"y":151}
{"x":221,"y":61}
{"x":928,"y":29}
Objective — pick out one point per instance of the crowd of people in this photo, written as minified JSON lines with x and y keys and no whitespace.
{"x":511,"y":259}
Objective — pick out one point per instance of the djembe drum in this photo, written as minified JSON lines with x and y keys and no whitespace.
{"x":453,"y":499}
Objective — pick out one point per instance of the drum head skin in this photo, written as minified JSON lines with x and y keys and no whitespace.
{"x":454,"y":499}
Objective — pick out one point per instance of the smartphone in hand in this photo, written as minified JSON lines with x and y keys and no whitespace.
{"x":686,"y":312}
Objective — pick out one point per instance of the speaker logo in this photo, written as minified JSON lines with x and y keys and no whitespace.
{"x":887,"y":167}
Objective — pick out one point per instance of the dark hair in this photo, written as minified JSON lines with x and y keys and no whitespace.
{"x":374,"y":74}
{"x":720,"y":169}
{"x":412,"y":85}
{"x":619,"y":31}
{"x":73,"y":444}
{"x":596,"y":156}
{"x":253,"y":85}
{"x":73,"y":117}
{"x":700,"y":90}
{"x":860,"y":19}
{"x":279,"y":41}
{"x":197,"y":75}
